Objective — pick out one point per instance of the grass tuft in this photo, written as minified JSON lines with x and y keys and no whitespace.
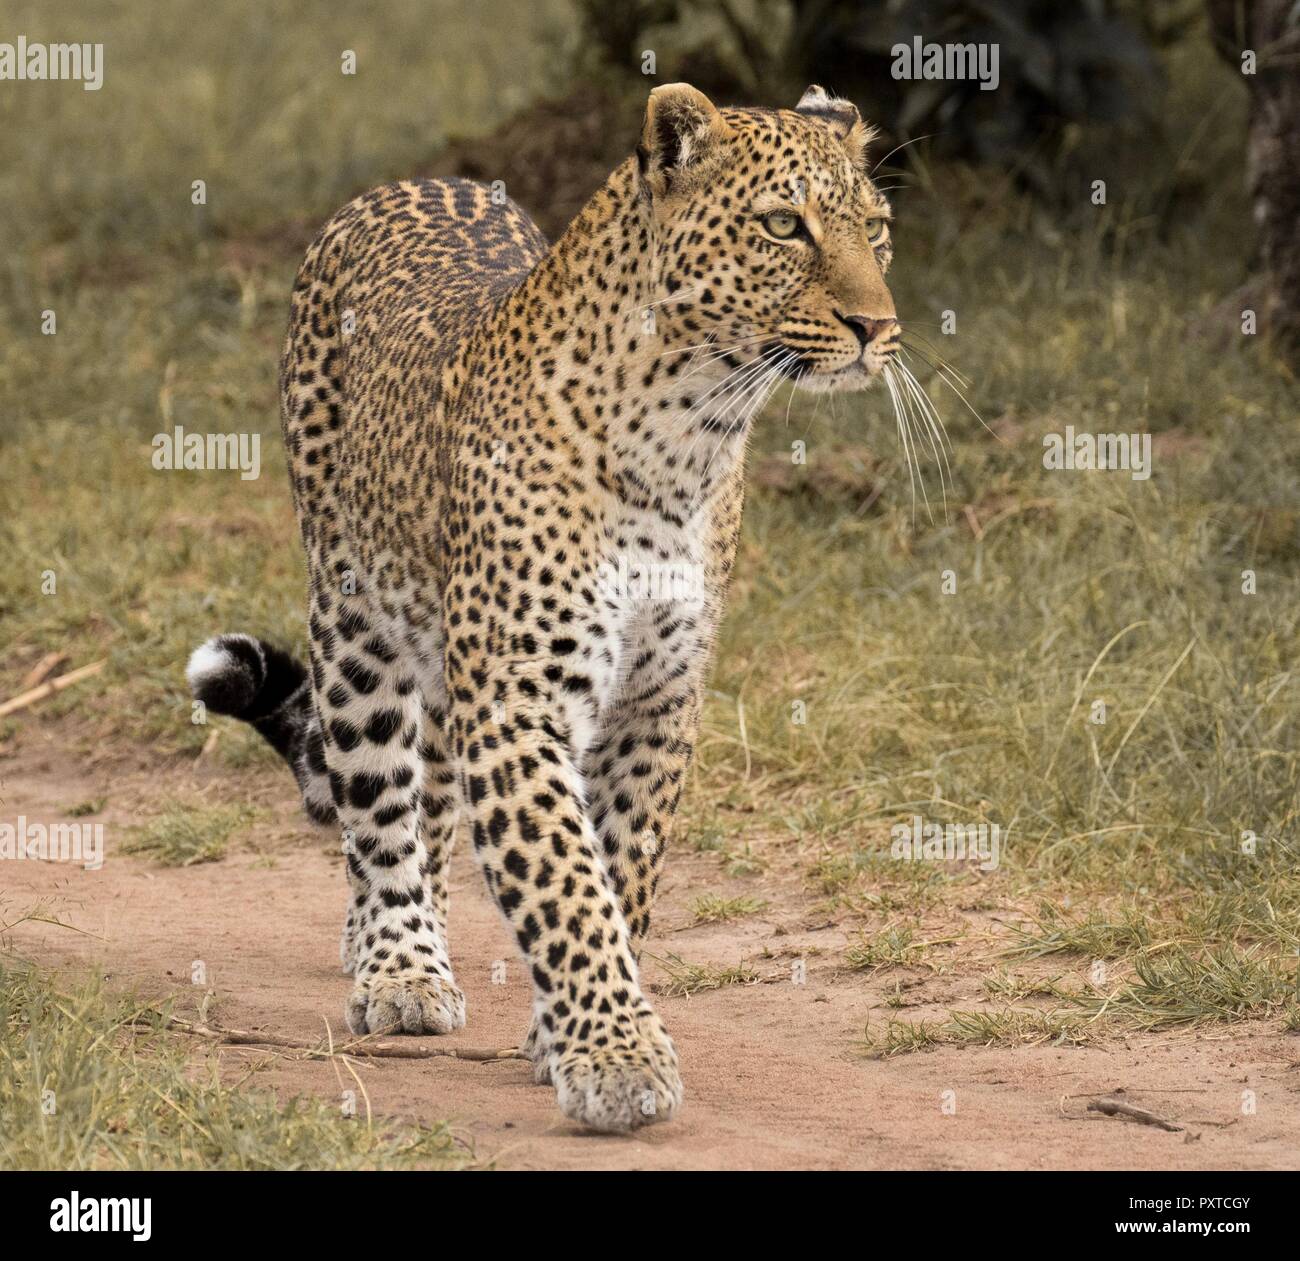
{"x":1181,"y":987}
{"x":1011,"y":1026}
{"x":1095,"y":934}
{"x":187,"y":834}
{"x":1171,"y":988}
{"x":712,"y":908}
{"x":686,"y":979}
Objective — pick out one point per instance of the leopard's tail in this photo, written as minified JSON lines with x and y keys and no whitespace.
{"x":263,"y":685}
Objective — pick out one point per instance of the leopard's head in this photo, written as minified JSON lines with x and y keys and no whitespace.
{"x":769,"y":234}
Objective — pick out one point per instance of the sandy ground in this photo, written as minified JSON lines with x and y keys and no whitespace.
{"x":774,"y":1073}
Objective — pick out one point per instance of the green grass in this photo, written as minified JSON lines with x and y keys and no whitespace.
{"x":90,"y":1081}
{"x":257,"y":106}
{"x":1006,"y":1027}
{"x":1071,"y":588}
{"x":1097,"y":934}
{"x":712,"y":908}
{"x":168,"y":313}
{"x":1168,"y":989}
{"x":686,"y":978}
{"x":183,"y":835}
{"x":1183,"y":987}
{"x":84,"y":808}
{"x":895,"y":947}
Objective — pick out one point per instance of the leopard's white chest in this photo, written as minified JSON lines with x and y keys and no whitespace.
{"x":652,"y":584}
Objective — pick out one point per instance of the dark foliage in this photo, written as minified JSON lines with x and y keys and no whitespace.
{"x":1060,"y":66}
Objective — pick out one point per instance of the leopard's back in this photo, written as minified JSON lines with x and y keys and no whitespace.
{"x":391,"y":290}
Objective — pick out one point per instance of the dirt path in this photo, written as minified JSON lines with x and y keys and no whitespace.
{"x":774,"y":1077}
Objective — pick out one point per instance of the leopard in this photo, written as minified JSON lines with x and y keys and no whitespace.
{"x":498,"y":447}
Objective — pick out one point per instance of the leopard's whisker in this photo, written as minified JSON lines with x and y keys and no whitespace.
{"x":721,"y":394}
{"x":722,"y":391}
{"x":899,"y":148}
{"x":935,"y":357}
{"x":943,"y":372}
{"x":909,"y":413}
{"x":682,"y":295}
{"x":710,"y":344}
{"x":718,"y":391}
{"x":753,"y":381}
{"x":935,"y":434}
{"x":745,"y":381}
{"x":898,"y":420}
{"x":930,"y":412}
{"x":788,"y":404}
{"x":757,"y":399}
{"x":722,"y":354}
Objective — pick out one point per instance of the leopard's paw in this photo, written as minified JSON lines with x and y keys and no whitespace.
{"x":405,"y":1002}
{"x":629,"y":1082}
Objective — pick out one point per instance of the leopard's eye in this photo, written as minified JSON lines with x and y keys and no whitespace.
{"x":877,"y":231}
{"x":782,"y":224}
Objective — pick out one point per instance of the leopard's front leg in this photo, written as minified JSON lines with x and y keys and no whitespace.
{"x":607,"y":1053}
{"x":635,"y":780}
{"x":636,"y":769}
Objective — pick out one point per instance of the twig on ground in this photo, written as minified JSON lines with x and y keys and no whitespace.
{"x":48,"y":689}
{"x":208,"y":745}
{"x":357,"y":1048}
{"x":42,"y":670}
{"x":1115,"y":1108}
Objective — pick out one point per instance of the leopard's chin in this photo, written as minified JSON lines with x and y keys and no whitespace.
{"x":860,"y":374}
{"x":847,"y":380}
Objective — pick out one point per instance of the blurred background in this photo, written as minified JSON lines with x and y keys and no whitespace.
{"x":1126,"y":315}
{"x":1151,"y":97}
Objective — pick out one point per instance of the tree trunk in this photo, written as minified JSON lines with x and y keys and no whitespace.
{"x":1271,"y":30}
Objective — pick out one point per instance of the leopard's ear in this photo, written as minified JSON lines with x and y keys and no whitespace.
{"x":843,"y":118}
{"x":682,"y":134}
{"x":842,"y":115}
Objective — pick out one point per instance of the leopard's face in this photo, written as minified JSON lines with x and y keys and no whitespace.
{"x":773,"y":237}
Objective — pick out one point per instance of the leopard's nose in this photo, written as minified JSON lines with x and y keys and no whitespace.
{"x":867,"y":329}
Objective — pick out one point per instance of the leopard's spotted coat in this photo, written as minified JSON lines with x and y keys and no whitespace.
{"x":482,"y":431}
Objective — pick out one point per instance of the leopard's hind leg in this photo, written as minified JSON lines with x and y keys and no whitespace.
{"x":372,"y":713}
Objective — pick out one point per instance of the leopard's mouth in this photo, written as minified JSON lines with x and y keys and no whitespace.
{"x":861,"y":374}
{"x":802,"y":369}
